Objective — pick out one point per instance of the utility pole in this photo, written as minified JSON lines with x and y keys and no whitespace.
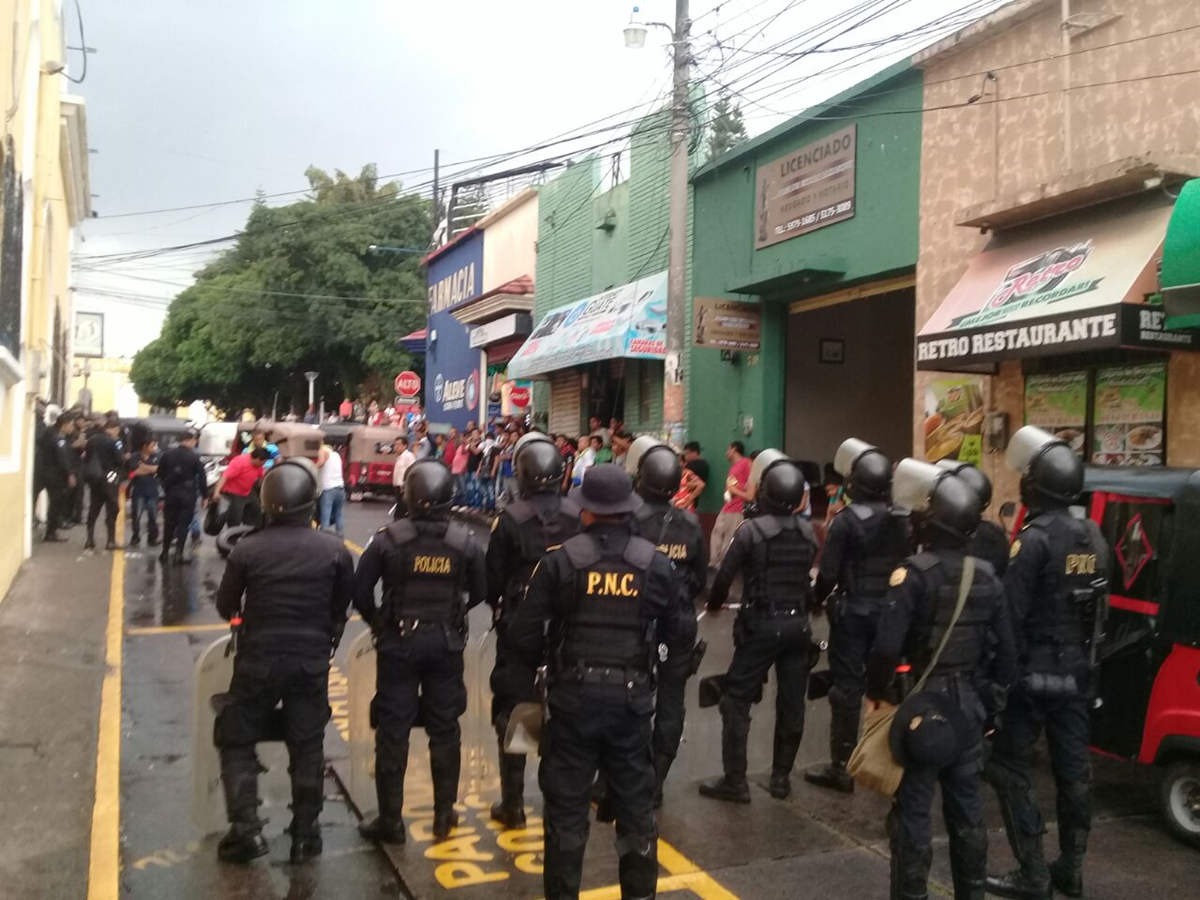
{"x":436,"y":198}
{"x":673,"y":388}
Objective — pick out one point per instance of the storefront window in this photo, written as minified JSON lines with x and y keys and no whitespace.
{"x":1110,"y":415}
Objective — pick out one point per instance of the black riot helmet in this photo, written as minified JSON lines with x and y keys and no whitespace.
{"x":538,"y":464}
{"x":290,"y":489}
{"x":1051,"y":473}
{"x":778,"y":483}
{"x":945,"y":510}
{"x":654,"y":467}
{"x":866,"y":468}
{"x":428,"y":488}
{"x":975,"y":479}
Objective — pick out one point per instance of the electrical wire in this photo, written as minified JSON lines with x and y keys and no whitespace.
{"x":83,"y":47}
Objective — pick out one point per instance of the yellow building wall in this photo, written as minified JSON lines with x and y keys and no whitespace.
{"x":110,"y":385}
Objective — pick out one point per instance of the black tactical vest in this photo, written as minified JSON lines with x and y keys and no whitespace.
{"x":607,"y":624}
{"x":1076,"y":565}
{"x":778,"y":579}
{"x":424,"y":573}
{"x":881,"y":542}
{"x":674,"y":531}
{"x":965,"y":652}
{"x":536,"y":532}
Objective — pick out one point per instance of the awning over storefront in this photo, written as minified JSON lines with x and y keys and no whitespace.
{"x":1181,"y":260}
{"x":415,"y":342}
{"x":1087,"y":281}
{"x":628,"y":321}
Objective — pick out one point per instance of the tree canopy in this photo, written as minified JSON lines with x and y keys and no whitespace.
{"x":299,"y":291}
{"x":727,"y":130}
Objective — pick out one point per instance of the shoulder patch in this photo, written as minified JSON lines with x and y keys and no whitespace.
{"x":1014,"y":549}
{"x":553,"y":547}
{"x":495,"y":523}
{"x":898,"y":576}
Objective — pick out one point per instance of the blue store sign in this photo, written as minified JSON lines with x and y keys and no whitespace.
{"x":451,"y":363}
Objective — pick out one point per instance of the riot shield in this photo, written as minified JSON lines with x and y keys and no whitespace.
{"x":360,"y":673}
{"x":213,"y":672}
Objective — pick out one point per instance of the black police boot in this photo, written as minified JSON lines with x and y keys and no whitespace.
{"x":910,"y":870}
{"x":165,"y":553}
{"x":388,"y":826}
{"x":179,"y":559}
{"x":563,"y":870}
{"x":1066,"y":872}
{"x":444,"y":762}
{"x":305,"y":830}
{"x":244,"y":840}
{"x":968,"y":861}
{"x":89,"y":542}
{"x":783,"y":758}
{"x":833,"y":776}
{"x":111,"y":543}
{"x":510,"y":811}
{"x":637,"y":865}
{"x":731,"y":787}
{"x":1031,"y":879}
{"x":662,"y":767}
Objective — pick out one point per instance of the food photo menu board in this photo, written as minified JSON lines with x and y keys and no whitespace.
{"x":1128,"y":415}
{"x":1058,"y":403}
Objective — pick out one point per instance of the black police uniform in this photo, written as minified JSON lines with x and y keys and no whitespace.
{"x":775,"y":554}
{"x":678,"y":536}
{"x":105,"y":467}
{"x":990,"y":544}
{"x":59,"y":462}
{"x":184,"y":481}
{"x":610,"y":600}
{"x":865,"y":543}
{"x":521,"y":535}
{"x":974,"y":671}
{"x":426,"y":564}
{"x":292,"y":586}
{"x":1057,"y":587}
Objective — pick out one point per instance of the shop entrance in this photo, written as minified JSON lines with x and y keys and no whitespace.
{"x":605,"y":390}
{"x":850,"y":372}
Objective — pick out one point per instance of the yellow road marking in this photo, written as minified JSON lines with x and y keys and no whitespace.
{"x":104,"y":863}
{"x":350,"y":545}
{"x":683,"y":875}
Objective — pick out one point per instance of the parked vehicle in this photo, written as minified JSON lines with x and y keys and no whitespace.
{"x":370,"y":459}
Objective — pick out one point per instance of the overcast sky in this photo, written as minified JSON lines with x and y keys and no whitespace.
{"x":196,"y":103}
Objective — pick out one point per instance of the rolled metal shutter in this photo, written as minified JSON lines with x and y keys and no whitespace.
{"x":565,"y":403}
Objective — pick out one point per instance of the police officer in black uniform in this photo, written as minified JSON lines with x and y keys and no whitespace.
{"x":59,"y":476}
{"x":596,"y":612}
{"x":427,"y":563}
{"x":1057,"y":584}
{"x":291,"y":587}
{"x":774,"y":552}
{"x":105,"y":466}
{"x":656,"y":471}
{"x":989,"y":542}
{"x":184,"y":480}
{"x":939,"y":730}
{"x":865,"y":543}
{"x":521,"y":535}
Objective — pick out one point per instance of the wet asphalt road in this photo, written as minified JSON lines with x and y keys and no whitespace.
{"x":814,"y":843}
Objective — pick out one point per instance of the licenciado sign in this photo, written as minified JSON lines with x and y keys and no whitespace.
{"x":808,"y":189}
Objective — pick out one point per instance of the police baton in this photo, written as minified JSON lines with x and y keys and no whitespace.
{"x":235,"y":633}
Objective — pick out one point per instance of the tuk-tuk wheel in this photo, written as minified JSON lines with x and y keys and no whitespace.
{"x":1181,"y":800}
{"x":228,"y":538}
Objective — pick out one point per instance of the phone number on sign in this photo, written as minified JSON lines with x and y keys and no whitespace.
{"x":813,"y":218}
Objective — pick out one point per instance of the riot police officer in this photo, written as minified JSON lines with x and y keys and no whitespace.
{"x":865,"y":543}
{"x":184,"y":480}
{"x":946,"y":616}
{"x":989,"y":542}
{"x":1057,"y":592}
{"x":774,"y":552}
{"x":521,"y":534}
{"x":427,"y":563}
{"x":656,"y":471}
{"x":596,"y":611}
{"x":291,"y":587}
{"x":105,"y":468}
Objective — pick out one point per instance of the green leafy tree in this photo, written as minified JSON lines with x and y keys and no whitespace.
{"x":727,"y":129}
{"x":299,"y":291}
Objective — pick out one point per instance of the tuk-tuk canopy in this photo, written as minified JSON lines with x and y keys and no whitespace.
{"x":374,"y":443}
{"x":1136,"y":481}
{"x":293,"y":438}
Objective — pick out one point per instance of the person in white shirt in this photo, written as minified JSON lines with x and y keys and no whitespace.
{"x":585,"y":458}
{"x":404,"y":460}
{"x":331,"y":505}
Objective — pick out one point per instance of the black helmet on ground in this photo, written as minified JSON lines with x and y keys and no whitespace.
{"x":428,"y":488}
{"x":779,"y":483}
{"x":1051,"y":473}
{"x":654,"y":467}
{"x":538,"y":464}
{"x":290,"y":489}
{"x":866,"y":468}
{"x":945,"y":510}
{"x":974,"y":477}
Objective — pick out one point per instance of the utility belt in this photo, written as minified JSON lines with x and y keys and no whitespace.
{"x":764,"y":611}
{"x":406,"y":626}
{"x":1057,"y":671}
{"x":628,"y":677}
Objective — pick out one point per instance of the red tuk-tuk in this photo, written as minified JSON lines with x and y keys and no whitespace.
{"x":1149,"y":683}
{"x":294,"y":438}
{"x":370,"y":458}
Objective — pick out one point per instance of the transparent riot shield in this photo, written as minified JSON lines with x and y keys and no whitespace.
{"x":360,"y":673}
{"x":214,"y":670}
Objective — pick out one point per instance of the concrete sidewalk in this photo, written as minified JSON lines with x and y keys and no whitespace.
{"x":52,"y":633}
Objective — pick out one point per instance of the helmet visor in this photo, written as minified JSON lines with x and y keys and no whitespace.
{"x":851,"y":449}
{"x":639,"y":448}
{"x":913,"y":484}
{"x":1025,"y":447}
{"x":762,"y":462}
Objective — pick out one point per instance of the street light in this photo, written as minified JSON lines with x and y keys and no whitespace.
{"x":378,"y":248}
{"x":673,"y":391}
